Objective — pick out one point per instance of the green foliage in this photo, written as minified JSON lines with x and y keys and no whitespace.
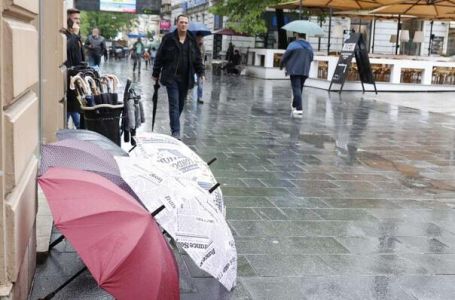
{"x":244,"y":15}
{"x":247,"y":15}
{"x":110,"y":24}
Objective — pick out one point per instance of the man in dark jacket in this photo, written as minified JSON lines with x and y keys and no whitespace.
{"x":297,"y":60}
{"x":74,"y":57}
{"x":95,"y":45}
{"x":177,"y":60}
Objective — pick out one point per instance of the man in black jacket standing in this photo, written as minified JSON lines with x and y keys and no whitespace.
{"x":177,"y":60}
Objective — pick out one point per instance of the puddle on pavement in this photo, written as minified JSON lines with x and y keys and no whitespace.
{"x":317,"y":140}
{"x":411,"y":175}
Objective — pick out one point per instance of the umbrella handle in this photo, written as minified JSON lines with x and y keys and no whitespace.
{"x":80,"y":82}
{"x":115,"y":81}
{"x":102,"y":106}
{"x":92,"y":84}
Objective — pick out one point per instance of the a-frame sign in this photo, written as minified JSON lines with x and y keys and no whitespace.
{"x":353,"y":46}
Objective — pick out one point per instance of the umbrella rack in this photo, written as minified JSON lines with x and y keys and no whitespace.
{"x":101,"y":108}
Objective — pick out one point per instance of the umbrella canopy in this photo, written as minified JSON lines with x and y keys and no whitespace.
{"x":196,"y":28}
{"x":71,"y":153}
{"x":199,"y":28}
{"x":335,"y":4}
{"x":305,"y":27}
{"x":115,"y":237}
{"x":190,"y":216}
{"x":419,"y":8}
{"x":92,"y":137}
{"x":156,"y":87}
{"x":82,"y":155}
{"x":167,"y":150}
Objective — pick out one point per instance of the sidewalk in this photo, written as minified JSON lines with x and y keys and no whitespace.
{"x":353,"y":201}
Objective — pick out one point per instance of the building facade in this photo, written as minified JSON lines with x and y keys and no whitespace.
{"x":32,"y":110}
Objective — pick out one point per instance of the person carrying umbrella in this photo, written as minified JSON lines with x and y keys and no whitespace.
{"x":136,"y":53}
{"x":177,"y":60}
{"x":297,"y":61}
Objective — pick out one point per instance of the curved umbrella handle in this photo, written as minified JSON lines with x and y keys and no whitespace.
{"x":77,"y":79}
{"x":115,"y":81}
{"x":92,"y":84}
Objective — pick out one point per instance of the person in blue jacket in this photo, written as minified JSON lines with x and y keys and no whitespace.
{"x":297,"y":61}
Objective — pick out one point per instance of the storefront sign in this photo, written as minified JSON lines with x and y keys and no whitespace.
{"x":165,"y":25}
{"x":128,"y":6}
{"x":194,"y":3}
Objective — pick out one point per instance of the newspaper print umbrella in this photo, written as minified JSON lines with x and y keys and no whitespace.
{"x":170,"y":151}
{"x":190,"y":216}
{"x":115,"y":237}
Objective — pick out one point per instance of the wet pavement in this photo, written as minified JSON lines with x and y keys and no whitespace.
{"x":353,"y":201}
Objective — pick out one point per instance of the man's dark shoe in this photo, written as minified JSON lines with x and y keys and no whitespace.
{"x":176,"y":135}
{"x":200,"y":101}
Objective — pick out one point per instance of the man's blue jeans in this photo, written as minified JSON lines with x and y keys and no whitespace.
{"x":297,"y":82}
{"x":76,"y":118}
{"x":176,"y":92}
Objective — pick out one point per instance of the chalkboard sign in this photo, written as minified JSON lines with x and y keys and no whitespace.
{"x":353,"y":46}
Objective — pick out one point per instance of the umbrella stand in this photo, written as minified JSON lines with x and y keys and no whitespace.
{"x":330,"y":30}
{"x":54,"y":292}
{"x":398,"y":35}
{"x":431,"y":39}
{"x":374,"y":33}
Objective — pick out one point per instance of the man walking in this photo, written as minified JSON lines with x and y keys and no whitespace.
{"x":297,"y":61}
{"x":137,"y":52}
{"x":95,"y":45}
{"x":177,"y":60}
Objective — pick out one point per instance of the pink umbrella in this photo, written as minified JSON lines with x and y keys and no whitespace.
{"x":117,"y":239}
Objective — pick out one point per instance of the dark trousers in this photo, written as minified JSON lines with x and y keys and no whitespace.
{"x":297,"y":82}
{"x":176,"y":92}
{"x":137,"y":62}
{"x":94,"y":60}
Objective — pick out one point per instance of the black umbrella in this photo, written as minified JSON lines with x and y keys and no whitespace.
{"x":155,"y":102}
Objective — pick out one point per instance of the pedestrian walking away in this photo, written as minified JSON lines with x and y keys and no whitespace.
{"x":96,"y":47}
{"x":297,"y":61}
{"x":136,"y":53}
{"x":147,"y":58}
{"x":74,"y":57}
{"x":177,"y":60}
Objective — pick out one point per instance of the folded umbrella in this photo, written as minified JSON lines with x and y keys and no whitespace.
{"x":190,"y":216}
{"x":156,"y":87}
{"x":91,"y":137}
{"x":115,"y":237}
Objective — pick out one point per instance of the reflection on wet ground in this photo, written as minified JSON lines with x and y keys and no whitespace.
{"x":353,"y":201}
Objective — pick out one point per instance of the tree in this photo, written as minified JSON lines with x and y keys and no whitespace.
{"x":245,"y":15}
{"x":109,"y":24}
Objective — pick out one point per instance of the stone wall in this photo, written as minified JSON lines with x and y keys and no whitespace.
{"x":20,"y":129}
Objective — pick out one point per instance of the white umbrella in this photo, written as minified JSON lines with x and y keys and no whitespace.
{"x":170,"y":151}
{"x":190,"y":216}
